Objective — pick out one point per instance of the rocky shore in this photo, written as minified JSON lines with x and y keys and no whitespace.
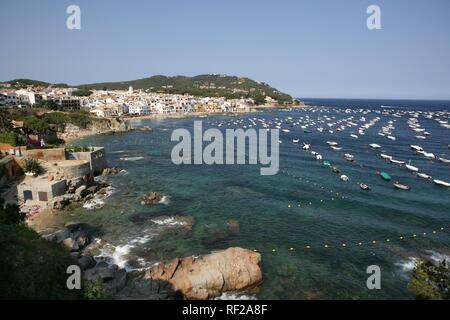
{"x":199,"y":277}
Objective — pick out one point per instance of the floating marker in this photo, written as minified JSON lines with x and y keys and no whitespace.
{"x":292,"y":249}
{"x":344,"y":245}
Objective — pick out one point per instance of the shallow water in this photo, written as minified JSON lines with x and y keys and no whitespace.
{"x":305,"y":204}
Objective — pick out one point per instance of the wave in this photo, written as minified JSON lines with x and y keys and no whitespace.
{"x":98,"y":201}
{"x":121,"y":254}
{"x":165,"y":200}
{"x":131,"y":158}
{"x":236,"y":296}
{"x":169,"y":221}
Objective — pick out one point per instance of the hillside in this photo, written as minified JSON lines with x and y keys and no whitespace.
{"x":208,"y":85}
{"x":201,"y":85}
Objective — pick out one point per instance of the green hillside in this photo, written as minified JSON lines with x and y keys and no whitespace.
{"x":202,"y":85}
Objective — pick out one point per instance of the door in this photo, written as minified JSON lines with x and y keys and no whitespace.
{"x":42,"y":196}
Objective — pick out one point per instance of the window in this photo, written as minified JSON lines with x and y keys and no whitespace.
{"x":27,"y":195}
{"x":42,"y":196}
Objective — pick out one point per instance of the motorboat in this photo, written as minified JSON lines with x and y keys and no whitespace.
{"x":423,"y":175}
{"x":400,"y":186}
{"x":386,"y":157}
{"x":364,"y":186}
{"x":385,"y":176}
{"x":397,"y":162}
{"x":411,"y":168}
{"x":295,"y":140}
{"x":441,"y":183}
{"x":344,"y":178}
{"x":375,"y":146}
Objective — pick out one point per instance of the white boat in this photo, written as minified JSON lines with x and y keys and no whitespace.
{"x":348,"y":155}
{"x":295,"y":140}
{"x":444,"y":160}
{"x":375,"y":146}
{"x":397,"y":162}
{"x":332,"y":143}
{"x":400,"y":186}
{"x":416,"y":148}
{"x":335,"y":148}
{"x":441,"y":183}
{"x":306,"y":146}
{"x":285,"y":130}
{"x":385,"y":156}
{"x":429,"y":155}
{"x":423,"y":175}
{"x":354,"y":136}
{"x":421,"y":137}
{"x":318,"y":157}
{"x":411,"y":168}
{"x":344,"y":178}
{"x":391,"y":138}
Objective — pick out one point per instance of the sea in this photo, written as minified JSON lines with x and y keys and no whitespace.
{"x":317,"y":234}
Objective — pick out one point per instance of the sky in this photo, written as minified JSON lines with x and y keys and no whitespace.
{"x":307,"y":48}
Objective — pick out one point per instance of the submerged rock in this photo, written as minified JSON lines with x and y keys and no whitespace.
{"x":210,"y":275}
{"x":151,"y":198}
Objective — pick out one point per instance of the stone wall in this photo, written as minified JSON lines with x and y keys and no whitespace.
{"x":96,"y":158}
{"x":57,"y":154}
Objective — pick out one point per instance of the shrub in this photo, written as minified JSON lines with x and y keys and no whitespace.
{"x":431,"y":281}
{"x":32,"y":165}
{"x":11,"y":138}
{"x":95,"y":290}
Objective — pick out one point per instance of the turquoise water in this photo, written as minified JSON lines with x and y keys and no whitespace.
{"x":305,"y":204}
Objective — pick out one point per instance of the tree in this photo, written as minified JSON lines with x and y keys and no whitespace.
{"x":35,"y":124}
{"x":10,"y":214}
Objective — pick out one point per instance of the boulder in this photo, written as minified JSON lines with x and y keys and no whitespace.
{"x":86,"y":262}
{"x":81,"y":191}
{"x":210,"y":275}
{"x":61,"y":235}
{"x":110,"y":171}
{"x":233,"y":225}
{"x":71,"y":244}
{"x":151,"y":198}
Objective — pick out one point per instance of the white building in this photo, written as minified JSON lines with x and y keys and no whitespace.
{"x":138,"y":108}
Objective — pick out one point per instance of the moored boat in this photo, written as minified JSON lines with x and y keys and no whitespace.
{"x":400,"y":186}
{"x":385,"y":176}
{"x":441,"y":183}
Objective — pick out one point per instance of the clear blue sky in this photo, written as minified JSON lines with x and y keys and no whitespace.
{"x":314,"y":48}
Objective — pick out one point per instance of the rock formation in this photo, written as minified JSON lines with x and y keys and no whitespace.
{"x":208,"y":276}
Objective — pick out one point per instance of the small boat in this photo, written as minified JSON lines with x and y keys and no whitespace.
{"x":397,"y":162}
{"x":336,"y":170}
{"x":307,"y":131}
{"x":412,"y":168}
{"x":429,"y":155}
{"x":364,"y":186}
{"x":375,"y":146}
{"x":386,"y":157}
{"x":286,"y":130}
{"x":349,"y":156}
{"x":385,"y":176}
{"x":400,"y":186}
{"x":441,"y":183}
{"x":344,"y":178}
{"x":295,"y":140}
{"x":423,"y":175}
{"x":416,"y":148}
{"x":391,"y":138}
{"x":335,"y":148}
{"x":318,"y":157}
{"x":306,"y":146}
{"x":444,"y":160}
{"x":332,"y":143}
{"x":354,"y":136}
{"x":327,"y":163}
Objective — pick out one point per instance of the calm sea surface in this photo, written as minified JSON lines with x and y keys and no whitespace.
{"x":305,"y":204}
